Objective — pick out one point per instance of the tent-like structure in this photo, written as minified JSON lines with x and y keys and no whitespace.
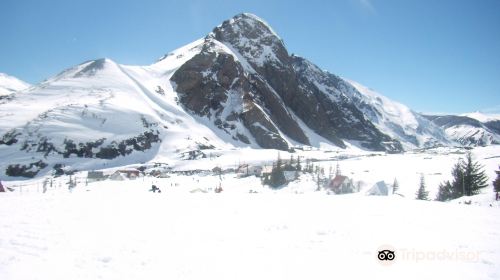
{"x":380,"y":188}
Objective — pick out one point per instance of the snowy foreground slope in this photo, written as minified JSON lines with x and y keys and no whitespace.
{"x":120,"y":230}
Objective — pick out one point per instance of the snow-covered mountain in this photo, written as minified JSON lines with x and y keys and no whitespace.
{"x":392,"y":118}
{"x":244,"y":78}
{"x":476,"y":130}
{"x":236,"y":87}
{"x":482,"y":117}
{"x":491,"y":121}
{"x":9,"y":85}
{"x":98,"y":114}
{"x":396,"y":119}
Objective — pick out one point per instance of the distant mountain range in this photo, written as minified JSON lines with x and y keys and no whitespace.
{"x":236,"y":87}
{"x":470,"y":129}
{"x":9,"y":85}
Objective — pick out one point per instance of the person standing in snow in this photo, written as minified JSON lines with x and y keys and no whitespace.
{"x":44,"y":185}
{"x":154,"y":189}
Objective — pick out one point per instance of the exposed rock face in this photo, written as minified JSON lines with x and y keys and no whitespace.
{"x":266,"y":61}
{"x":214,"y":84}
{"x":204,"y":93}
{"x":337,"y":110}
{"x":493,"y":126}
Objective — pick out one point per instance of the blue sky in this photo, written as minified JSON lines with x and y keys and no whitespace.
{"x":434,"y":56}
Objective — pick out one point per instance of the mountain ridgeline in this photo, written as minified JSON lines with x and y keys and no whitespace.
{"x":236,"y":87}
{"x":253,"y":65}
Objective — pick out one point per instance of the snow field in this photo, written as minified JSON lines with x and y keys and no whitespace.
{"x":122,"y":231}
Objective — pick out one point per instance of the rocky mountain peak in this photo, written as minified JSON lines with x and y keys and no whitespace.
{"x":252,"y":38}
{"x":249,"y":26}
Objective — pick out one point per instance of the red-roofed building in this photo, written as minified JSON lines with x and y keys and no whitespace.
{"x":340,"y":184}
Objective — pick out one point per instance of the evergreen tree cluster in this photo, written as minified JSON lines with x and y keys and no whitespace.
{"x":277,"y":178}
{"x":468,"y":179}
{"x":496,"y":183}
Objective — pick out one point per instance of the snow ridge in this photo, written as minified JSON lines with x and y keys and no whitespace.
{"x":10,"y":84}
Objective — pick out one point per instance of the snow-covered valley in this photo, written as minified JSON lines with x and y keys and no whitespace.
{"x":118,"y":229}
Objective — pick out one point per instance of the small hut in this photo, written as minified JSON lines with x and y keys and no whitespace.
{"x":94,"y":176}
{"x":341,"y":184}
{"x":380,"y":188}
{"x":117,"y":176}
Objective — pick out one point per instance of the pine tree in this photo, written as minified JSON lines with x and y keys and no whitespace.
{"x":458,"y":184}
{"x":422,"y":193}
{"x":310,"y":167}
{"x":468,"y":179}
{"x":290,"y":165}
{"x":277,"y":177}
{"x":318,"y":182}
{"x":496,"y":183}
{"x":474,"y":177}
{"x":338,"y":172}
{"x":445,"y":192}
{"x":298,"y":166}
{"x":395,"y":186}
